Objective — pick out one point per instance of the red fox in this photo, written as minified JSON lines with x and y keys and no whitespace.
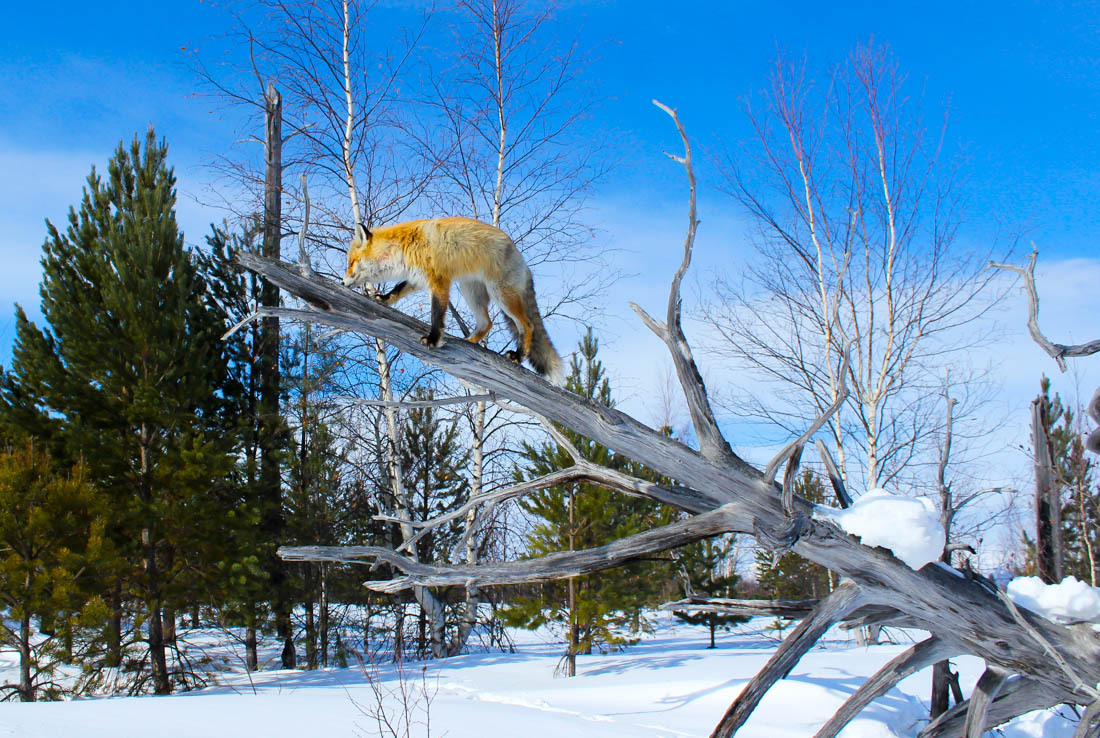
{"x":430,"y":254}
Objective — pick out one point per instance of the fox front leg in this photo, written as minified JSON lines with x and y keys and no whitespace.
{"x":439,"y":312}
{"x":399,"y":290}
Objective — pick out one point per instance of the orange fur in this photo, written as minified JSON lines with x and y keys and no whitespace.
{"x":432,"y":254}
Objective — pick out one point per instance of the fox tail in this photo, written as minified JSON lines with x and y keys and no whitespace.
{"x":544,"y":357}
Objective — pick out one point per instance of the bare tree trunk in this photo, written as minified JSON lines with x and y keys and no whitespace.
{"x":1048,"y":517}
{"x":113,"y":658}
{"x":323,"y":617}
{"x":169,"y":627}
{"x":270,"y":481}
{"x":26,"y":688}
{"x":251,"y":658}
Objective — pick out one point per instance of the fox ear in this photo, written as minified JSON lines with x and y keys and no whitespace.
{"x":361,"y":233}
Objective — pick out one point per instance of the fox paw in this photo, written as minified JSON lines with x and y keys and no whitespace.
{"x":515,"y":356}
{"x":430,"y":343}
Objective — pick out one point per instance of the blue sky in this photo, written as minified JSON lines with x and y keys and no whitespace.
{"x":1022,"y":79}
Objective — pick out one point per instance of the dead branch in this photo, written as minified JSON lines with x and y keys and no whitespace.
{"x":545,"y":568}
{"x":790,"y":609}
{"x":984,"y":691}
{"x":1089,"y":725}
{"x":1057,"y":351}
{"x":582,"y":471}
{"x":845,"y":598}
{"x":920,"y":656}
{"x":842,"y":497}
{"x":1015,"y":697}
{"x":712,"y":444}
{"x":841,"y":396}
{"x":440,"y":402}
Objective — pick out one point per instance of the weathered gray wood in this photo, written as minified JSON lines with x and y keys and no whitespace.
{"x":581,"y":471}
{"x":712,"y":444}
{"x":1089,"y":726}
{"x":559,"y":565}
{"x":1058,"y":351}
{"x":962,"y":611}
{"x":1015,"y":697}
{"x":791,"y":609}
{"x":905,"y":664}
{"x":842,"y":496}
{"x":984,"y":692}
{"x":845,"y":598}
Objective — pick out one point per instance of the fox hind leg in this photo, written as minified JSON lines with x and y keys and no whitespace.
{"x":477,"y":298}
{"x":512,"y":302}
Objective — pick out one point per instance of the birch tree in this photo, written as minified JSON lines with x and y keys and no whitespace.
{"x":856,"y":214}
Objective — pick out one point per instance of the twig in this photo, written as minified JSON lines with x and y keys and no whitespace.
{"x":1058,"y":351}
{"x":305,"y":268}
{"x":1078,"y":683}
{"x":461,"y":400}
{"x":841,"y":396}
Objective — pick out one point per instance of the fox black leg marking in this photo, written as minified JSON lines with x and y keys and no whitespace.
{"x":395,"y":294}
{"x":439,"y":311}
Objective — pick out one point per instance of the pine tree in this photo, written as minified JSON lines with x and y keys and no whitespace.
{"x":1080,"y":493}
{"x":250,"y":571}
{"x":705,"y":570}
{"x":52,"y":545}
{"x":602,"y":609}
{"x":125,"y":378}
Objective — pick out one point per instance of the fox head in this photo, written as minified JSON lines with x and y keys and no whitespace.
{"x":369,"y":259}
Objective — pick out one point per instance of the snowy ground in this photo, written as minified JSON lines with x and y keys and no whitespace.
{"x":667,"y":685}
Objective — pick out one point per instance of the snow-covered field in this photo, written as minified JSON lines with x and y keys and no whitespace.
{"x":669,"y":684}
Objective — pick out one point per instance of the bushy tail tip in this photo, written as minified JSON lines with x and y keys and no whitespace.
{"x":547,"y":362}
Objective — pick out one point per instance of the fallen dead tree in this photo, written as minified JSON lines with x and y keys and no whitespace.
{"x":1031,"y":662}
{"x":791,"y":610}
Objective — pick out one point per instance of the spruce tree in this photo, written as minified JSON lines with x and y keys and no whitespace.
{"x":125,"y":378}
{"x":602,"y":609}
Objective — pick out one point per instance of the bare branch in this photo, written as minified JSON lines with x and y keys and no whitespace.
{"x":920,"y":656}
{"x":845,"y":598}
{"x":304,"y":265}
{"x":436,"y":402}
{"x":842,"y":497}
{"x":559,"y":565}
{"x":984,"y":691}
{"x":841,"y":396}
{"x":1057,"y":351}
{"x":1016,"y":697}
{"x":712,"y":444}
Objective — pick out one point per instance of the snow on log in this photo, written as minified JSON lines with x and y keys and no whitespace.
{"x":907,"y":526}
{"x":1069,"y":601}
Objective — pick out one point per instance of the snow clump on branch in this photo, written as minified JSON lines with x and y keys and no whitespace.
{"x":907,"y":526}
{"x":1067,"y":602}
